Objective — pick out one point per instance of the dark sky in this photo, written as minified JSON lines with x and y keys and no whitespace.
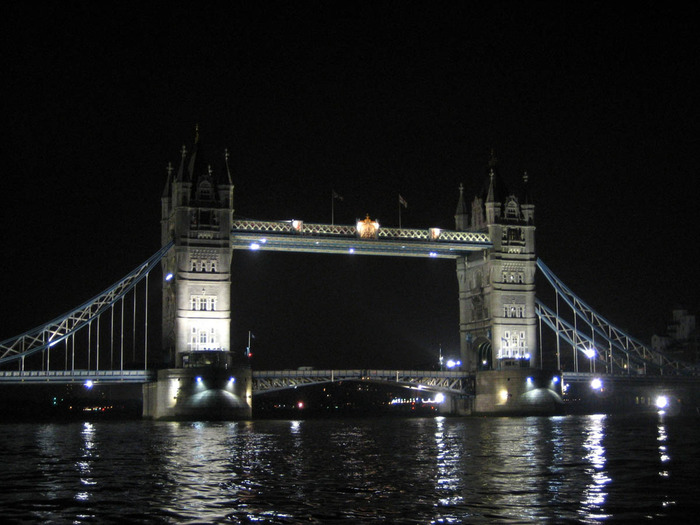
{"x":597,"y":102}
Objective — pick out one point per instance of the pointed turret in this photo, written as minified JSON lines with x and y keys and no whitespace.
{"x":528,"y":206}
{"x":493,"y":206}
{"x":461,"y":217}
{"x":181,"y":170}
{"x":228,"y":169}
{"x":168,"y":181}
{"x":225,"y":186}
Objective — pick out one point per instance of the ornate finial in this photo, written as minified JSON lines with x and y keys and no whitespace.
{"x":525,"y":177}
{"x":196,"y":133}
{"x":226,"y":154}
{"x":169,"y":169}
{"x":183,"y":151}
{"x":209,"y":170}
{"x":461,"y":188}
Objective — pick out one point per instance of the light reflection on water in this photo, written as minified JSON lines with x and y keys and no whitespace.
{"x":441,"y":470}
{"x":595,"y":493}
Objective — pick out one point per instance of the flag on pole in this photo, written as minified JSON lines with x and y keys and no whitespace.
{"x":402,"y":201}
{"x":336,"y":196}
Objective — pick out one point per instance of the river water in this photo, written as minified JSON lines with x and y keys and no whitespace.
{"x":586,"y":469}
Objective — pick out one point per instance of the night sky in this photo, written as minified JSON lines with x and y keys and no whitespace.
{"x":598,"y":103}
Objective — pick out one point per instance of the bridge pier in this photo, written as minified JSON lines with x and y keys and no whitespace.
{"x":518,"y":392}
{"x":200,"y":393}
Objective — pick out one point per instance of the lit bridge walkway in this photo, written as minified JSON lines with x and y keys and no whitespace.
{"x":263,"y":380}
{"x":365,"y":238}
{"x":444,"y":381}
{"x":76,"y":376}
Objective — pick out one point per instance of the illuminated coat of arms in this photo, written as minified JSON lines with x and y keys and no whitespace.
{"x":367,"y":229}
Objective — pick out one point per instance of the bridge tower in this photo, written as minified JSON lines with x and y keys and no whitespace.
{"x":203,"y":378}
{"x":498,"y":322}
{"x":497,"y":286}
{"x":196,"y":213}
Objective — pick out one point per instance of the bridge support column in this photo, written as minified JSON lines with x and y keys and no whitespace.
{"x":518,"y":391}
{"x":203,"y":393}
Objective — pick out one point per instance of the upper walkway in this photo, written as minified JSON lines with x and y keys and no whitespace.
{"x":365,"y":238}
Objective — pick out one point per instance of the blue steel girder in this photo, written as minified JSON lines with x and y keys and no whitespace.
{"x":45,"y":336}
{"x":455,"y":382}
{"x":622,"y":348}
{"x":578,"y":340}
{"x":296,"y":236}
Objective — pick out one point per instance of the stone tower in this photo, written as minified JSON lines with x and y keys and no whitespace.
{"x":497,"y":286}
{"x":196,"y":213}
{"x":199,"y":378}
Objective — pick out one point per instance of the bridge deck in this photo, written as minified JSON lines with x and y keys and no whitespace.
{"x":295,"y":236}
{"x":77,"y":376}
{"x":447,"y":380}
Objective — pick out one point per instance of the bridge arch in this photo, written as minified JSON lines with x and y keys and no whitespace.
{"x":483,"y":349}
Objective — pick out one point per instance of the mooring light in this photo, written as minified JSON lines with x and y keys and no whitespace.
{"x":596,"y":384}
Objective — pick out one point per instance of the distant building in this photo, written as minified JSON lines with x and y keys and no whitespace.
{"x":681,"y":339}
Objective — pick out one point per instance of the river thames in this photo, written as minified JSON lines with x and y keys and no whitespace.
{"x":569,"y":469}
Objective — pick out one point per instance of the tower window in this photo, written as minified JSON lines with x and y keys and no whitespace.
{"x":203,"y":302}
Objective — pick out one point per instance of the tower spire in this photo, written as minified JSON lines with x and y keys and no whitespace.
{"x":228,"y":170}
{"x":461,"y":219}
{"x":166,"y":190}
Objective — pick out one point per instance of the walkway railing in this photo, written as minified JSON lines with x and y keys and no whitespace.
{"x":77,"y":376}
{"x":302,"y":228}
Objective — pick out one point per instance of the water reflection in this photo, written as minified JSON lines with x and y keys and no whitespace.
{"x":448,"y":458}
{"x":595,"y":493}
{"x":85,"y":464}
{"x":442,"y":470}
{"x":663,"y":450}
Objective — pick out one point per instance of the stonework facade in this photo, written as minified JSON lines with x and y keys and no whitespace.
{"x":196,"y":213}
{"x":497,"y":286}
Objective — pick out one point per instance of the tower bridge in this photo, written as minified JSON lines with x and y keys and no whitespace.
{"x":506,"y":366}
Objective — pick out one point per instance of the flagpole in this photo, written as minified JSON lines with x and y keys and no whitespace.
{"x":332,"y":207}
{"x":399,"y":214}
